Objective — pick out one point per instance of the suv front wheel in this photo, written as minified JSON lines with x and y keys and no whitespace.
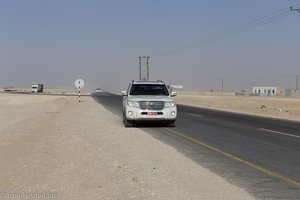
{"x":171,"y":123}
{"x":127,"y":123}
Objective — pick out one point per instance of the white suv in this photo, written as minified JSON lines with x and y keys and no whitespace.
{"x":148,"y":100}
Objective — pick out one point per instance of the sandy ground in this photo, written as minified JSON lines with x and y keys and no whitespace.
{"x":55,"y":147}
{"x":283,"y":108}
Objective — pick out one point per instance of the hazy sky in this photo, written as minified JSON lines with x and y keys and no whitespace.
{"x":57,"y":41}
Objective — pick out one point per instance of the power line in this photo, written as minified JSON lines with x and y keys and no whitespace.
{"x":297,"y":82}
{"x":248,"y":77}
{"x":230,"y":32}
{"x":223,"y":35}
{"x":262,"y":77}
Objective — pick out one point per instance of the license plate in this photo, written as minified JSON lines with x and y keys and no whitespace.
{"x":152,"y":113}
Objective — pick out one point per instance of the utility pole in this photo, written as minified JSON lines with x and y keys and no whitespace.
{"x":297,"y":76}
{"x":140,"y":67}
{"x":297,"y":82}
{"x":222,"y":86}
{"x":147,"y":67}
{"x":147,"y":63}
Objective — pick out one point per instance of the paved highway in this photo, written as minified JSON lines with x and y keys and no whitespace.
{"x":260,"y":154}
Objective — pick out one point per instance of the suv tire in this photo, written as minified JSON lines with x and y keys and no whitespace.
{"x":127,"y":123}
{"x":171,"y":123}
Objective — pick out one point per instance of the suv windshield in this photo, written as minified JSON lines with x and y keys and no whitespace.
{"x":149,"y":89}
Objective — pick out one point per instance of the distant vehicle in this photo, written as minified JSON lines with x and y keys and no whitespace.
{"x":98,"y":90}
{"x":9,"y":89}
{"x":36,"y":88}
{"x":148,"y":101}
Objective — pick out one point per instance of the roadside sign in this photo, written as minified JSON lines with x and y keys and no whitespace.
{"x":79,"y":83}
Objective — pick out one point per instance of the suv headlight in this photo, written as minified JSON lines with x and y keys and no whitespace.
{"x":134,"y":104}
{"x":170,"y":104}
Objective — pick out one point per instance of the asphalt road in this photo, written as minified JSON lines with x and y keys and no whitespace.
{"x":257,"y":153}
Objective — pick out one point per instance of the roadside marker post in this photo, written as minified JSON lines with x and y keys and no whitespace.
{"x":79,"y":83}
{"x":79,"y":94}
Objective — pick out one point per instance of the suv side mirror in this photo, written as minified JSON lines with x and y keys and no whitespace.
{"x":124,"y":93}
{"x":173,"y":94}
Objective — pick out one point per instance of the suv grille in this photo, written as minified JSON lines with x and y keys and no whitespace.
{"x":151,"y":105}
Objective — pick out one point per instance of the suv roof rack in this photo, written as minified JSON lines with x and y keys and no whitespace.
{"x":147,"y":81}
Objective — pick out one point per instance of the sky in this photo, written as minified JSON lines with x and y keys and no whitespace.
{"x":57,"y":41}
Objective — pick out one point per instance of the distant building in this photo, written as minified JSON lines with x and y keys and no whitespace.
{"x":275,"y":91}
{"x":265,"y":91}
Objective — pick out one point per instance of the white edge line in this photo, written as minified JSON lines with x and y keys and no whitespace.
{"x":195,"y":115}
{"x":281,"y":133}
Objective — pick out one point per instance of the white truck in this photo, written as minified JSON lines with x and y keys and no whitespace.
{"x":37,"y":87}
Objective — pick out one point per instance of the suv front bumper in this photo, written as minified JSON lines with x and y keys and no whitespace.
{"x":164,"y":114}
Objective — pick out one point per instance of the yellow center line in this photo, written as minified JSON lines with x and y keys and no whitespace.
{"x":262,"y":169}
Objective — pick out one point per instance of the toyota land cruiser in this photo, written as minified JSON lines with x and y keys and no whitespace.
{"x":148,"y":100}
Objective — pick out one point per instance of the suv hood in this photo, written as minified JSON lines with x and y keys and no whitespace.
{"x":149,"y":98}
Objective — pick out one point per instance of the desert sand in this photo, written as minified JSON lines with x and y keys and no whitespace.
{"x":276,"y":107}
{"x":62,"y":149}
